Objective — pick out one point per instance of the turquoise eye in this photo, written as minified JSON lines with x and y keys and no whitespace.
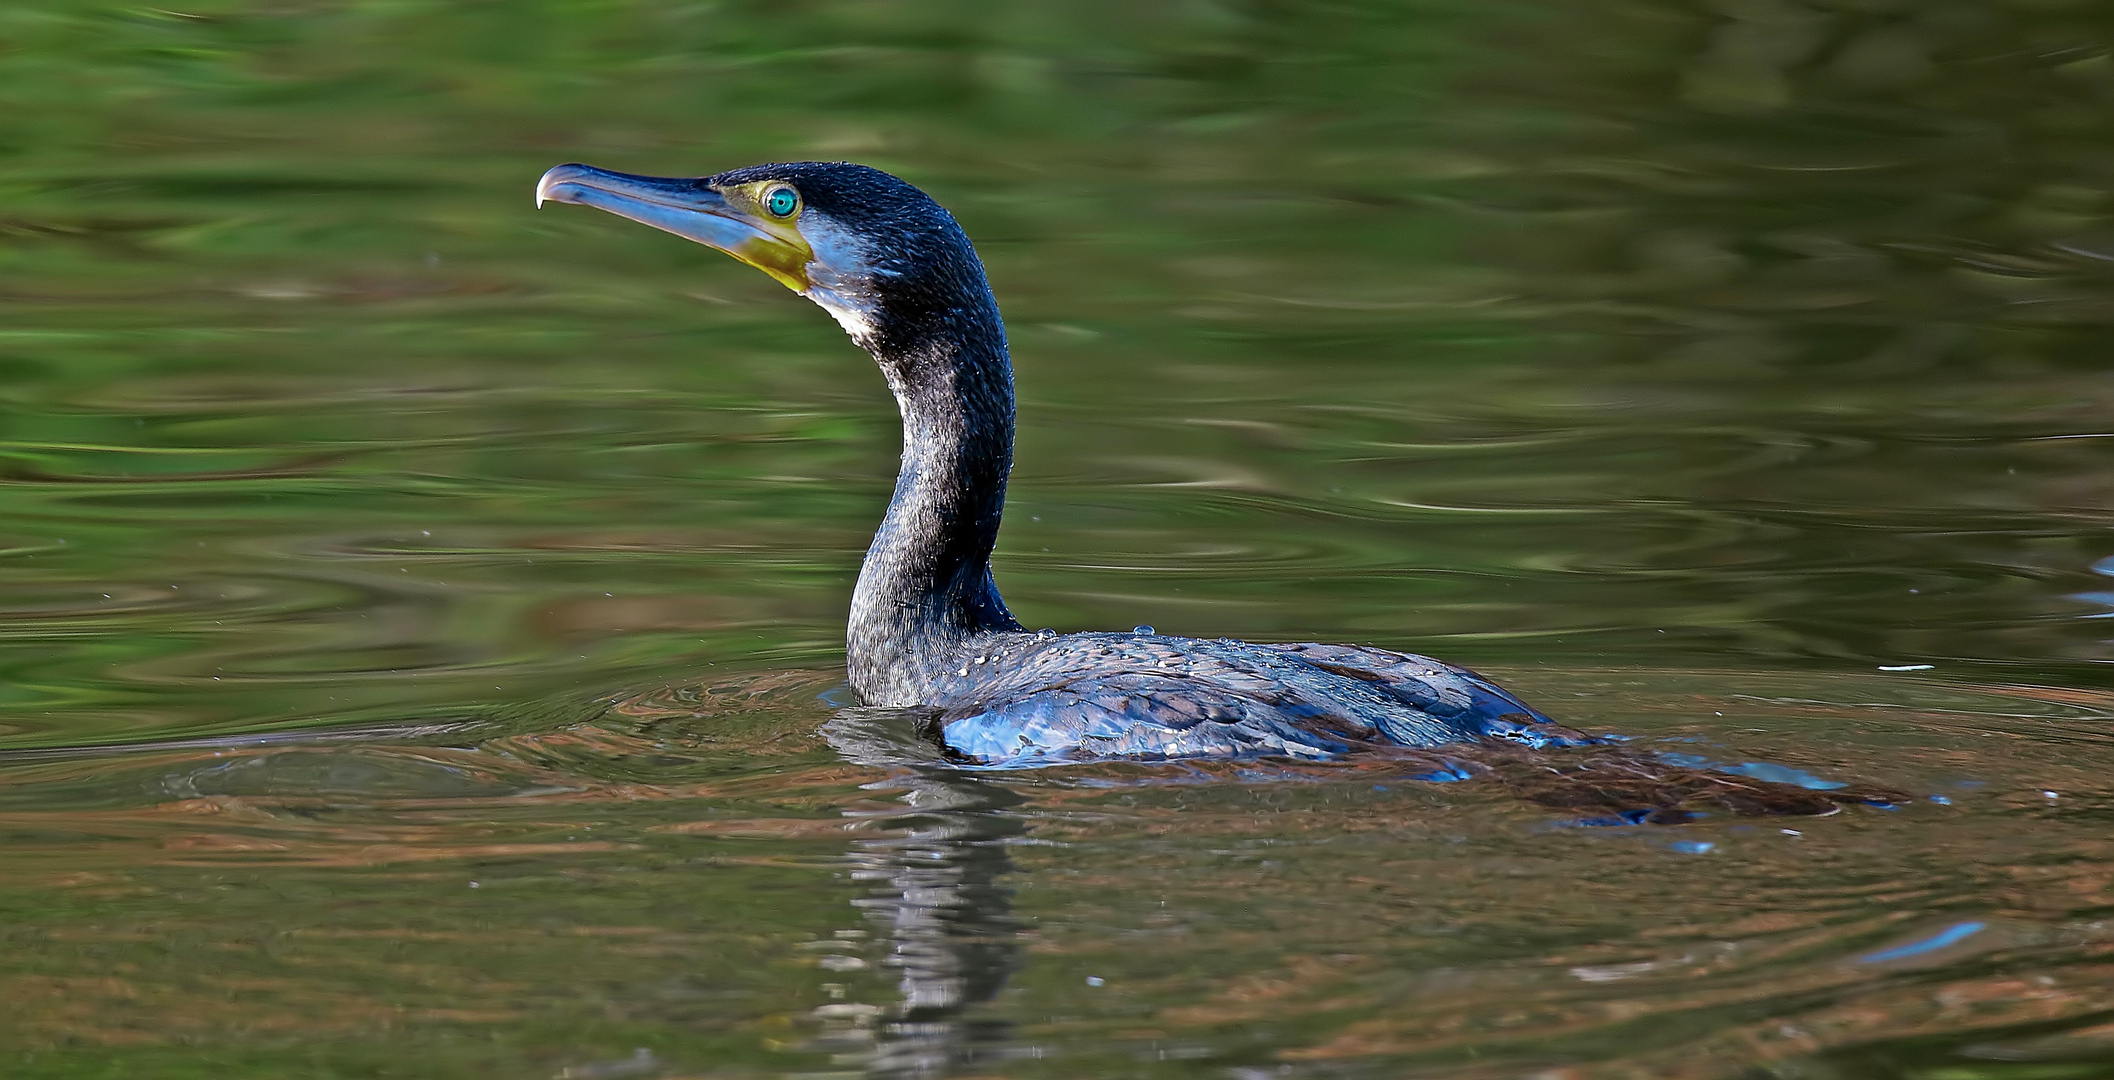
{"x":781,"y":202}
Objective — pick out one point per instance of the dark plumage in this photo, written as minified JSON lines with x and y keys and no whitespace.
{"x":927,"y":624}
{"x":927,"y":627}
{"x":1024,"y":699}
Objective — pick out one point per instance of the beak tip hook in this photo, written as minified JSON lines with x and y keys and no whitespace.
{"x":549,"y":181}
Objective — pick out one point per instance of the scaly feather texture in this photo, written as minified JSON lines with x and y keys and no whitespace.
{"x":928,"y":630}
{"x":927,"y":625}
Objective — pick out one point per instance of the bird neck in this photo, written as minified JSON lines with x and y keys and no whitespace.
{"x":926,"y":586}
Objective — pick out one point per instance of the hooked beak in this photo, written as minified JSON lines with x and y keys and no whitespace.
{"x":689,"y":208}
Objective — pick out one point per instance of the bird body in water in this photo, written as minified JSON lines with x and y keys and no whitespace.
{"x":928,"y":627}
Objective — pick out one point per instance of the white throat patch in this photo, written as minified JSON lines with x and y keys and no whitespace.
{"x":840,"y":278}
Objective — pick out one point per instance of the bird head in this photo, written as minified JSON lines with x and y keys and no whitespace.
{"x":872,"y":250}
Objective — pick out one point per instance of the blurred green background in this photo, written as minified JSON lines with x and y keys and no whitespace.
{"x":1752,"y":337}
{"x":1632,"y":332}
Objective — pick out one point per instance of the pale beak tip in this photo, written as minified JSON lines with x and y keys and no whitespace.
{"x":546,"y":185}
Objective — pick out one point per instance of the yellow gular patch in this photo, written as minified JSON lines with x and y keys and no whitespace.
{"x":781,"y":251}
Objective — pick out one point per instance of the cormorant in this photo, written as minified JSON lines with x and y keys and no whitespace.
{"x":927,"y":626}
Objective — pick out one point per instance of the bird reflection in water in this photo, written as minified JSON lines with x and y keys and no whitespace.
{"x":934,"y":865}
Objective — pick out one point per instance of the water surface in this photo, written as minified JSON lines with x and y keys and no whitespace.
{"x":421,"y":615}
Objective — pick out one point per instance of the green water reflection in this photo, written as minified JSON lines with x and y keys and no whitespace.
{"x":1681,"y":364}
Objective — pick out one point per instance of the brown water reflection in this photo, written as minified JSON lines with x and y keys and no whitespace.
{"x":853,"y":901}
{"x":1682,"y":365}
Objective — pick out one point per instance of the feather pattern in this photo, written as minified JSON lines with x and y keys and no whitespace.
{"x":1022,"y":699}
{"x":928,"y":631}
